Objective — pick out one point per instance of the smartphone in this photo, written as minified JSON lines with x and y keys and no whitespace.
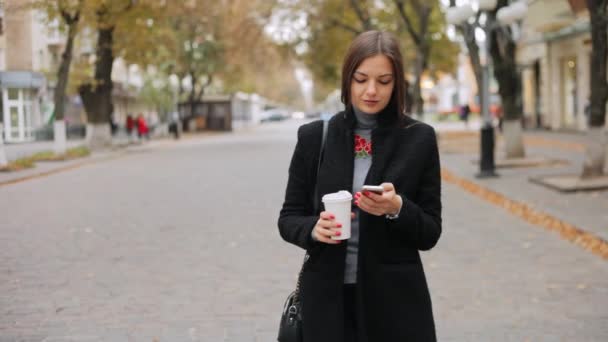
{"x":373,"y":188}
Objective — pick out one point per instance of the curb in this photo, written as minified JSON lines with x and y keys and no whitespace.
{"x":61,"y":169}
{"x":588,"y":241}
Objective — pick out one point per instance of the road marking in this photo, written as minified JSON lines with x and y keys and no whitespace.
{"x":567,"y":231}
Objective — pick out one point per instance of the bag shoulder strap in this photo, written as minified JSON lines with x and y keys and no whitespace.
{"x":296,"y":296}
{"x":316,"y":204}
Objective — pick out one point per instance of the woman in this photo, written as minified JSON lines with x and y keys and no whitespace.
{"x":372,"y":286}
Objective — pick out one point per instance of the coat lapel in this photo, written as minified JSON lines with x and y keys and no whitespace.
{"x":385,"y":142}
{"x":346,"y":151}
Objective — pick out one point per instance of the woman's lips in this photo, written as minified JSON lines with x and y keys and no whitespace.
{"x":370,"y":103}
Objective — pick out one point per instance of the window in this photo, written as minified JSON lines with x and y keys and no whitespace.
{"x":13,"y":94}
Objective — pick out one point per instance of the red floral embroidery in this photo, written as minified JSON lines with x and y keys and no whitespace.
{"x":363,"y":148}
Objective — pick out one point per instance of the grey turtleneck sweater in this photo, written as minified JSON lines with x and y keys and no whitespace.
{"x":365,"y":124}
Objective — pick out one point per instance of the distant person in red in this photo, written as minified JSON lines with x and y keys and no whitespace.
{"x":142,"y":127}
{"x":130,"y":124}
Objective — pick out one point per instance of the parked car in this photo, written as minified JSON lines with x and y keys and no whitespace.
{"x":275,"y":114}
{"x":313,"y":115}
{"x":298,"y":115}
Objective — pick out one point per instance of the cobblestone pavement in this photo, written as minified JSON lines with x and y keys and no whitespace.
{"x":586,"y":209}
{"x":180,"y":243}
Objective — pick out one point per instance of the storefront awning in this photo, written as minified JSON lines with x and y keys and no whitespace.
{"x":21,"y":79}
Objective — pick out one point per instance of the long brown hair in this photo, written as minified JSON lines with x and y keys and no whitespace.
{"x":369,"y":44}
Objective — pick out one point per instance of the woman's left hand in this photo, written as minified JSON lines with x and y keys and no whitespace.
{"x":386,"y":203}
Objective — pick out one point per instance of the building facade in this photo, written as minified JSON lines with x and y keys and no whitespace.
{"x":555,"y":58}
{"x":22,"y":51}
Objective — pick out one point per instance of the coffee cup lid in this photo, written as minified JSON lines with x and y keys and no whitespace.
{"x":339,"y":196}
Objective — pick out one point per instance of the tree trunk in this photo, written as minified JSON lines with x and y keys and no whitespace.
{"x":468,"y":31}
{"x":3,"y":161}
{"x":595,"y":154}
{"x":502,"y":50}
{"x":63,"y":73}
{"x":192,"y":97}
{"x":599,"y":56}
{"x":419,"y":68}
{"x":97,"y":96}
{"x":513,"y":135}
{"x":420,"y":38}
{"x":204,"y":86}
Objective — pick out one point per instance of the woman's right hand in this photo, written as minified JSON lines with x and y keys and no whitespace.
{"x":327,"y":227}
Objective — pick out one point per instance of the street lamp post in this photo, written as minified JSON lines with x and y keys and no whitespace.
{"x":505,"y":16}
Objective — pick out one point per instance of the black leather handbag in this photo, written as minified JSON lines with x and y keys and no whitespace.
{"x":290,"y":328}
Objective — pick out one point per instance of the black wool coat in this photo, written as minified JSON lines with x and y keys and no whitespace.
{"x":393,"y":299}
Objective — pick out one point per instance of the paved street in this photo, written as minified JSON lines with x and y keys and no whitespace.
{"x":179,"y":243}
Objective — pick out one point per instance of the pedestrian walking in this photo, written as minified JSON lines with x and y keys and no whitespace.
{"x":372,"y":286}
{"x":113,"y":124}
{"x":130,"y":124}
{"x":465,"y":110}
{"x":174,"y":124}
{"x":142,"y":127}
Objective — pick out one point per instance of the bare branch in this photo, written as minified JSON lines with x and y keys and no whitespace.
{"x":362,"y":14}
{"x":423,"y":11}
{"x":204,"y":86}
{"x":338,"y":23}
{"x":408,"y":24}
{"x":70,"y":18}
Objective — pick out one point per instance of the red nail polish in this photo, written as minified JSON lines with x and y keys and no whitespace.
{"x":356,"y":202}
{"x":338,"y":233}
{"x":339,"y":225}
{"x":332,"y":217}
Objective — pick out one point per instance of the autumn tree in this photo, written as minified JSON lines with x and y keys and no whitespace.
{"x":503,"y":51}
{"x":67,"y":14}
{"x":425,"y":25}
{"x":219,"y":46}
{"x":467,"y":30}
{"x":116,"y":21}
{"x":333,"y":24}
{"x":504,"y":64}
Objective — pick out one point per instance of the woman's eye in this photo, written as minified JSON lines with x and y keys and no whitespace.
{"x":386,"y":82}
{"x":359,"y":81}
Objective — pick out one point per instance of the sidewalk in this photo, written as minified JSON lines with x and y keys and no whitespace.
{"x":21,"y":150}
{"x":583,"y":210}
{"x":121,"y":147}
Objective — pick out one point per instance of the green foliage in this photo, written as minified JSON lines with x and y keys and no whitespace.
{"x":72,"y":153}
{"x":77,"y":152}
{"x":221,"y":43}
{"x":44,"y":155}
{"x":17,"y":165}
{"x":156,"y":92}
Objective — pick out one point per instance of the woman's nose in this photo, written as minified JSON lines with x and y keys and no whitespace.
{"x":371,"y":88}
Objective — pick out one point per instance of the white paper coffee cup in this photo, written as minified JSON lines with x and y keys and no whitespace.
{"x":339,"y":204}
